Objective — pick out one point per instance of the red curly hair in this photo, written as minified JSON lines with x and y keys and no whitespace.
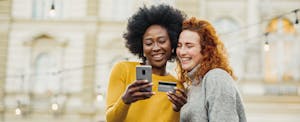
{"x":212,"y":50}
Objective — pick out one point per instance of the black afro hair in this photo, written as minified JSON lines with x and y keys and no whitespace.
{"x":163,"y":15}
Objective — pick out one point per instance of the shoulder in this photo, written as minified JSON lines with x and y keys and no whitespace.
{"x":217,"y":74}
{"x":218,"y":78}
{"x":125,"y":64}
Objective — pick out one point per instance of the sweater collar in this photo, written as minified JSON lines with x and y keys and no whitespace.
{"x":192,"y":74}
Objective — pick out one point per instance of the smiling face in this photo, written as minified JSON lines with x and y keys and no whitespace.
{"x":188,"y":50}
{"x":157,"y":46}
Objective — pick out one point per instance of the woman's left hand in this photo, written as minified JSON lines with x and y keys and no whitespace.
{"x":178,"y":98}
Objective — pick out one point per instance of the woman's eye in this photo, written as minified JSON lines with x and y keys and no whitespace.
{"x":148,"y":44}
{"x":161,"y":40}
{"x":189,"y":46}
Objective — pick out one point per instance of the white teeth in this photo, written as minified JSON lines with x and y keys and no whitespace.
{"x":185,"y":59}
{"x":157,"y":56}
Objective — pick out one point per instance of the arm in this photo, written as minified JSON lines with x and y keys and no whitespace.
{"x":116,"y":109}
{"x":221,"y":97}
{"x":120,"y":95}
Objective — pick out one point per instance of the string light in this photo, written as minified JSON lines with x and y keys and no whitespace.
{"x":260,"y":22}
{"x":297,"y":19}
{"x":18,"y":111}
{"x":266,"y":46}
{"x":54,"y":106}
{"x":99,"y":97}
{"x":52,"y":11}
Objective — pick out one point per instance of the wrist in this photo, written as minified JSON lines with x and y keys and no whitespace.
{"x":125,"y":101}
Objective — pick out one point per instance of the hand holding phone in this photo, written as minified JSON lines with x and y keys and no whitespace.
{"x":144,"y":72}
{"x":133,"y":93}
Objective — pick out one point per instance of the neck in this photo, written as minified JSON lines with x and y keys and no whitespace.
{"x":159,"y":70}
{"x":192,"y":73}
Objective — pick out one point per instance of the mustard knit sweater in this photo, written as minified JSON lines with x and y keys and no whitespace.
{"x":155,"y":109}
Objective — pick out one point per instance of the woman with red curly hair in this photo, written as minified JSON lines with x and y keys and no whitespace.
{"x":204,"y":68}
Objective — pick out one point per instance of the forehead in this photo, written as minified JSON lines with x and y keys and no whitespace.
{"x":155,"y":30}
{"x":189,"y":36}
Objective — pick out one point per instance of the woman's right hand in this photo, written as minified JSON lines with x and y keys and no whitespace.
{"x":133,"y":92}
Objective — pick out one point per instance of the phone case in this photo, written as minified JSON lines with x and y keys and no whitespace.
{"x":144,"y":72}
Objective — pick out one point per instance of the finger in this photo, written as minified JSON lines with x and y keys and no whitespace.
{"x":181,"y":97}
{"x":140,"y":98}
{"x":136,"y":88}
{"x":140,"y":82}
{"x":132,"y":90}
{"x":172,"y":99}
{"x":178,"y":100}
{"x":145,"y":86}
{"x":142,"y":94}
{"x":181,"y":91}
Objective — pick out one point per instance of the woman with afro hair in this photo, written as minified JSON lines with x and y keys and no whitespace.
{"x":152,"y":35}
{"x":209,"y":80}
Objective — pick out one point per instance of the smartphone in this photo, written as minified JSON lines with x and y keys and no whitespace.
{"x":144,"y":72}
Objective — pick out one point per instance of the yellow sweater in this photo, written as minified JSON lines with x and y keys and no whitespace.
{"x":155,"y":109}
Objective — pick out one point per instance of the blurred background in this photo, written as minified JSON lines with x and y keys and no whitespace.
{"x":56,"y":55}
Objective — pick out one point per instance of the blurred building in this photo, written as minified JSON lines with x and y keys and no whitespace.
{"x":56,"y":55}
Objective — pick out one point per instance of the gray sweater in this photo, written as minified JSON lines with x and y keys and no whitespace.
{"x":215,"y":99}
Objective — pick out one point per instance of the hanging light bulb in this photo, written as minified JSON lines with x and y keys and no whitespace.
{"x":54,"y":106}
{"x":18,"y":111}
{"x":99,"y":97}
{"x":297,"y":19}
{"x":267,"y":46}
{"x":52,"y":11}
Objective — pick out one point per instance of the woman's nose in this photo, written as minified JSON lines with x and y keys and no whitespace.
{"x":156,"y":47}
{"x":181,"y":51}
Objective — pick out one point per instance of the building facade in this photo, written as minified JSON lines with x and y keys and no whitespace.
{"x":56,"y":55}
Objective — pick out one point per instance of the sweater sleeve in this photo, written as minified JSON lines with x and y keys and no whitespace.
{"x":221,"y":97}
{"x":116,"y":109}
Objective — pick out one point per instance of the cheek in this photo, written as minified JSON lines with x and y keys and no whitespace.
{"x":177,"y":51}
{"x":146,"y":49}
{"x":168,"y":47}
{"x":196,"y":54}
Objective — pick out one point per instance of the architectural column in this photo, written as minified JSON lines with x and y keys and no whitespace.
{"x":92,"y":8}
{"x":5,"y":15}
{"x":202,"y":8}
{"x":191,"y":8}
{"x":254,"y":61}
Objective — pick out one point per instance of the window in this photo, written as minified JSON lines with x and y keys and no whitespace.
{"x":280,"y":25}
{"x":41,"y":9}
{"x":44,"y":64}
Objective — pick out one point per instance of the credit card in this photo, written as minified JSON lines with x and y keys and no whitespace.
{"x":166,"y":86}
